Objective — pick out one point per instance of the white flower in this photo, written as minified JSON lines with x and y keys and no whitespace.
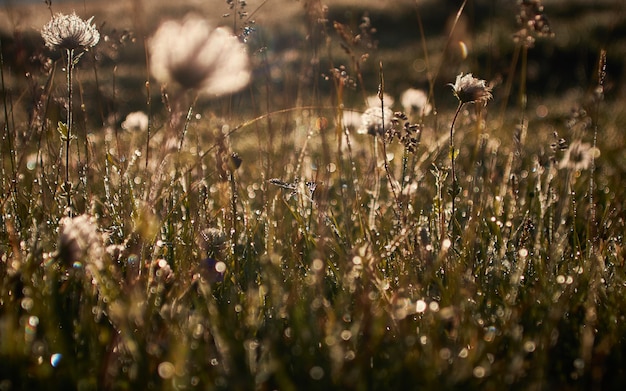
{"x":374,"y":101}
{"x":578,"y":156}
{"x":372,"y":121}
{"x":79,"y":241}
{"x":469,"y":89}
{"x":195,"y":56}
{"x":70,"y":32}
{"x":415,"y":101}
{"x":137,"y":120}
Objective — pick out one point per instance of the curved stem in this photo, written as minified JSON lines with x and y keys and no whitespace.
{"x":452,"y":168}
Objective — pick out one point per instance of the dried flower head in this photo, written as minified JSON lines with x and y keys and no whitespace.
{"x":469,"y":89}
{"x":375,"y":121}
{"x":70,"y":32}
{"x":578,"y":156}
{"x":195,"y":56}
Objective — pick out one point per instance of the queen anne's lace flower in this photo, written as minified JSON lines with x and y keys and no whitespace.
{"x":469,"y":89}
{"x":193,"y":55}
{"x":70,"y":32}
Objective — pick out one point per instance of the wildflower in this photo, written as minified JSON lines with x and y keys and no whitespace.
{"x":195,"y":56}
{"x":79,"y":240}
{"x":374,"y":101}
{"x":372,"y":121}
{"x":415,"y":101}
{"x":70,"y":32}
{"x":469,"y":89}
{"x":137,"y":120}
{"x":578,"y":156}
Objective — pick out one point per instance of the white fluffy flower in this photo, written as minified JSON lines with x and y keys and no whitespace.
{"x":196,"y":56}
{"x":375,"y":121}
{"x":415,"y":101}
{"x":137,"y":120}
{"x":374,"y":101}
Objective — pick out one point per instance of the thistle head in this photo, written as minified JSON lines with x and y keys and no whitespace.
{"x":70,"y":32}
{"x":469,"y":89}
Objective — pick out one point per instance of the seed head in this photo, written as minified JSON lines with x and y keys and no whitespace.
{"x":70,"y":32}
{"x":469,"y":89}
{"x":193,"y":55}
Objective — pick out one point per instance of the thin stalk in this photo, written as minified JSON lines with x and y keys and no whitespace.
{"x":455,"y":184}
{"x":68,"y":139}
{"x":381,"y":94}
{"x":591,"y":228}
{"x":148,"y":104}
{"x":7,"y":129}
{"x":186,"y":125}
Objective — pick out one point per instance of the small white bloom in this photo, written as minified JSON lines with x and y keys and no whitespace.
{"x":374,"y":101}
{"x":415,"y":101}
{"x":578,"y":156}
{"x":137,"y":120}
{"x":375,"y":121}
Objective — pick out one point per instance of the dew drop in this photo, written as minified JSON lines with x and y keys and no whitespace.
{"x":166,"y":370}
{"x":55,"y":359}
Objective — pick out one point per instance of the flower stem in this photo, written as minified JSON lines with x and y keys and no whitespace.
{"x":68,"y":185}
{"x":454,"y":191}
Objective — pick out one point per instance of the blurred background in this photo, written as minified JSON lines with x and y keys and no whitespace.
{"x":293,"y":44}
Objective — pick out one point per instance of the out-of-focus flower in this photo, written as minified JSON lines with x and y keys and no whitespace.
{"x":469,"y":89}
{"x":351,"y":119}
{"x":137,"y":120}
{"x":374,"y":101}
{"x":578,"y":156}
{"x":70,"y":32}
{"x":80,"y":242}
{"x":196,"y":56}
{"x":375,"y":121}
{"x":415,"y":101}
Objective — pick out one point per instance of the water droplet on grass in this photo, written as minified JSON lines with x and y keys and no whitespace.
{"x":55,"y":359}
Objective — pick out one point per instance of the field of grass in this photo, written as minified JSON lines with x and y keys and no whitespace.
{"x":259,"y":240}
